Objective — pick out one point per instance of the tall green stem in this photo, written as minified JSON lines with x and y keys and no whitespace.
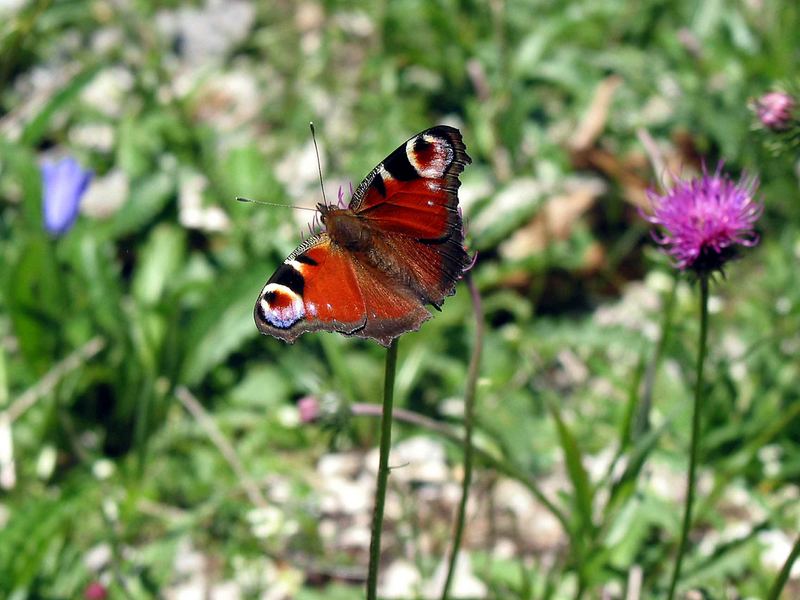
{"x":783,"y":576}
{"x":469,"y":412}
{"x":383,"y":471}
{"x":698,"y":402}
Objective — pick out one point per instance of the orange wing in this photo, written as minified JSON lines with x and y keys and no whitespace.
{"x":315,"y":288}
{"x":320,"y":287}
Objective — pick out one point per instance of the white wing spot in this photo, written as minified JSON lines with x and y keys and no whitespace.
{"x":385,"y":174}
{"x":296,"y":265}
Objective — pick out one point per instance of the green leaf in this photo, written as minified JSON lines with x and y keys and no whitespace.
{"x":246,"y":173}
{"x":37,"y":302}
{"x":148,"y":198}
{"x":3,"y":379}
{"x":39,"y":525}
{"x":95,"y":261}
{"x":159,"y":262}
{"x":140,"y":143}
{"x":22,"y":167}
{"x":626,"y":485}
{"x":222,"y":326}
{"x":35,"y":129}
{"x":250,"y":392}
{"x":579,"y":479}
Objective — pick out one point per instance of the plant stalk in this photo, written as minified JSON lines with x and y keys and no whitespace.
{"x":383,"y":471}
{"x":783,"y":576}
{"x":698,"y":402}
{"x":469,"y":418}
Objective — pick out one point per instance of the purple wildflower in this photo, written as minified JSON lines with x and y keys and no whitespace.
{"x":774,"y":110}
{"x":64,"y":184}
{"x":309,"y":409}
{"x":95,"y":591}
{"x":704,"y":219}
{"x":341,"y":197}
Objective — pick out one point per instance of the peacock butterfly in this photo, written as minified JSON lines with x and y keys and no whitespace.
{"x":397,"y":247}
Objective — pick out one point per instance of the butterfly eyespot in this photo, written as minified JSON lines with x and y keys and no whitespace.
{"x":430,"y":156}
{"x":280,"y":306}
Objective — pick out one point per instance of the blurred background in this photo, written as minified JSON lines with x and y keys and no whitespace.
{"x":153,"y":445}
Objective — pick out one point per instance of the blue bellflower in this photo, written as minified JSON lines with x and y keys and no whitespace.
{"x":64,"y":184}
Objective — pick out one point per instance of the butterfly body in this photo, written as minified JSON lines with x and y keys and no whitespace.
{"x":396,"y":248}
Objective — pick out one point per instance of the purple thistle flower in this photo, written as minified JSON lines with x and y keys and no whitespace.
{"x":703,"y":220}
{"x":64,"y":184}
{"x":774,"y":110}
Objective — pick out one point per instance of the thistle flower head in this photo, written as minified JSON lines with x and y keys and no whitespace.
{"x":64,"y":184}
{"x":774,"y":110}
{"x":702,"y":221}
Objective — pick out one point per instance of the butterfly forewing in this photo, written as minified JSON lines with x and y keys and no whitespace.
{"x":412,"y":197}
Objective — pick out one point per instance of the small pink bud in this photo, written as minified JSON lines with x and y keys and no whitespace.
{"x":308,"y":407}
{"x":774,"y":110}
{"x":95,"y":591}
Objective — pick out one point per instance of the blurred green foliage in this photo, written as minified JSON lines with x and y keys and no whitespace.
{"x":180,"y":107}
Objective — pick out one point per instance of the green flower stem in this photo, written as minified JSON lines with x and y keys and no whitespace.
{"x":783,"y":576}
{"x":698,"y":402}
{"x":469,"y":413}
{"x":383,"y":471}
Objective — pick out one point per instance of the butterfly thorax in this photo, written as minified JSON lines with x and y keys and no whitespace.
{"x":354,"y":234}
{"x":346,"y":229}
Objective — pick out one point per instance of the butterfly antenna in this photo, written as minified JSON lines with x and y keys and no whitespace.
{"x":319,"y":164}
{"x":242,"y":199}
